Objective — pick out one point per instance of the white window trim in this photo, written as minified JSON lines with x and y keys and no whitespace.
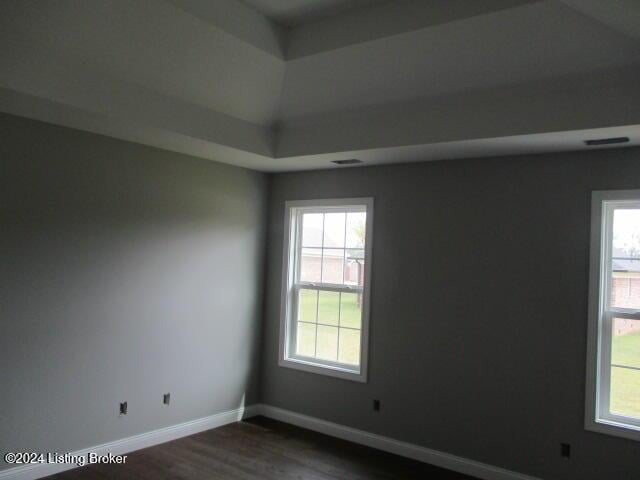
{"x":321,"y":367}
{"x":597,"y":415}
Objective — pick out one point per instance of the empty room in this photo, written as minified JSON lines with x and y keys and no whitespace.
{"x":320,"y":239}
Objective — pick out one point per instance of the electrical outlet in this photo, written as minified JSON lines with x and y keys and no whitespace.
{"x":376,"y":405}
{"x":166,"y":398}
{"x":565,"y":450}
{"x":123,"y":408}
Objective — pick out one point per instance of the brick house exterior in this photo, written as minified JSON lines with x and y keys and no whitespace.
{"x":625,"y":292}
{"x":332,"y":265}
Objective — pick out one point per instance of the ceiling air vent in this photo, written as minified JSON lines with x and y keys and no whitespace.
{"x":607,"y":141}
{"x":351,"y":161}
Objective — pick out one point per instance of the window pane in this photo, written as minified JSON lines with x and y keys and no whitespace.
{"x":625,"y":262}
{"x":351,"y":310}
{"x":625,"y":382}
{"x":625,"y":286}
{"x":310,"y":264}
{"x":306,"y":340}
{"x":349,"y":346}
{"x":332,"y":265}
{"x":356,"y":223}
{"x":327,"y":346}
{"x":312,"y":230}
{"x":334,"y":225}
{"x":354,"y":267}
{"x":625,"y":344}
{"x":625,"y":392}
{"x":307,"y":305}
{"x":328,"y":308}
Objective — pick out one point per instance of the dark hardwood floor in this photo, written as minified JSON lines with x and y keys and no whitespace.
{"x":261,"y":449}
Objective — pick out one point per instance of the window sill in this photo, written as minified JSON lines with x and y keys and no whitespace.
{"x":613,"y":428}
{"x":320,"y":369}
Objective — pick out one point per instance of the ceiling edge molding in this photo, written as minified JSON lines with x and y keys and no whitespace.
{"x":575,"y":103}
{"x":552,"y":142}
{"x":48,"y":111}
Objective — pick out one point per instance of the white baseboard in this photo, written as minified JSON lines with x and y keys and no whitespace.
{"x":422,"y":454}
{"x":130,"y":444}
{"x":126,"y":445}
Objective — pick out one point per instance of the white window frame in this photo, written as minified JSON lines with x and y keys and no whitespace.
{"x":598,"y":417}
{"x":287,"y":358}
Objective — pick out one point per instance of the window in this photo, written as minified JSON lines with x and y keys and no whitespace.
{"x":613,"y":381}
{"x":325,"y":291}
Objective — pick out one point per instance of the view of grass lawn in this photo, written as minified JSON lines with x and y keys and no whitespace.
{"x":625,"y":383}
{"x":336,"y":336}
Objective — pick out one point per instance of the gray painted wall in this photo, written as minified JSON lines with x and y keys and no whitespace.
{"x":478,"y":309}
{"x":127,"y":272}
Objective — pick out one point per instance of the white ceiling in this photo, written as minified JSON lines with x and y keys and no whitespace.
{"x":536,"y":41}
{"x":149,"y":44}
{"x":399,"y":81}
{"x":297,"y":12}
